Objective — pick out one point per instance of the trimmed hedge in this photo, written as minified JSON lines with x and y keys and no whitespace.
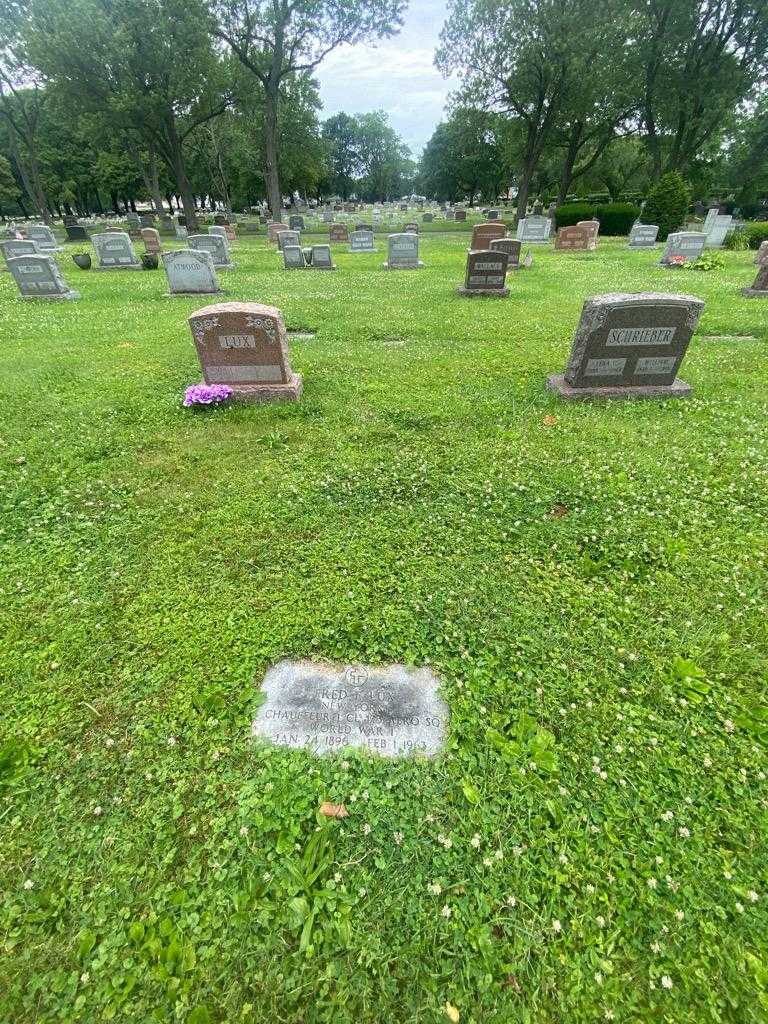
{"x":667,"y":203}
{"x":756,"y":232}
{"x":615,"y":218}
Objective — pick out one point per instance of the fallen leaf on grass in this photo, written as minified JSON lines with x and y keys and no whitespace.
{"x":511,"y":982}
{"x":549,"y":421}
{"x":452,"y":1013}
{"x":334,"y":810}
{"x":559,"y":511}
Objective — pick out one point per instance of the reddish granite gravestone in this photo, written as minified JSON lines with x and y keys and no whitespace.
{"x":274,"y":228}
{"x":484,"y":234}
{"x":244,"y":345}
{"x":151,"y":239}
{"x":338,"y":233}
{"x":573,"y":237}
{"x":512,"y":247}
{"x":761,"y":256}
{"x":759,"y":289}
{"x":486,"y":274}
{"x":630,"y":346}
{"x":593,"y":227}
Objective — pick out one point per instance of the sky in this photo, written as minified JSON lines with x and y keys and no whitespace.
{"x":396,"y":75}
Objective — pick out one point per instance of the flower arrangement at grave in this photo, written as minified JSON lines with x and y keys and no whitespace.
{"x":206,"y":394}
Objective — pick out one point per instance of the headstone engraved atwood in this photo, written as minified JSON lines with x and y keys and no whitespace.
{"x":390,"y":710}
{"x":630,"y":346}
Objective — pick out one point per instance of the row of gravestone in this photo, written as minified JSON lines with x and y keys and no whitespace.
{"x":625,"y":346}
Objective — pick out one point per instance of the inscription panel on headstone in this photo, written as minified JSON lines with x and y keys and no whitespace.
{"x":643,"y":235}
{"x":486,"y":273}
{"x":392,"y":711}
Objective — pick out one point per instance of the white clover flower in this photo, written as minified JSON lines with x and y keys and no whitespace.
{"x":668,"y":815}
{"x":739,"y":908}
{"x":753,"y":897}
{"x":475,"y":841}
{"x":655,"y":947}
{"x":679,"y":915}
{"x":598,"y":978}
{"x":666,"y":981}
{"x":29,"y":884}
{"x":728,"y":725}
{"x":600,"y":921}
{"x":362,"y":892}
{"x":337,"y":877}
{"x":244,"y":830}
{"x":398,"y":837}
{"x":434,"y":888}
{"x":171,"y":741}
{"x":499,"y":855}
{"x":556,"y":926}
{"x":97,"y":812}
{"x":651,"y":883}
{"x":446,"y":911}
{"x":85,"y":978}
{"x":366,"y":829}
{"x":683,"y":832}
{"x":109,"y":742}
{"x":511,"y":901}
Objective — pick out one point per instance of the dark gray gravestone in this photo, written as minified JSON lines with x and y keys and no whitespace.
{"x":759,"y":289}
{"x":293,"y":257}
{"x":392,"y":710}
{"x":486,"y":274}
{"x":18,"y":247}
{"x":630,"y":346}
{"x":288,"y":238}
{"x":643,"y":236}
{"x":76,"y":233}
{"x":244,"y":345}
{"x":321,"y":258}
{"x":216,"y":245}
{"x":494,"y":214}
{"x":190,"y":272}
{"x":361,"y":241}
{"x":296,"y":222}
{"x":428,"y":218}
{"x":39,"y":277}
{"x":683,"y":247}
{"x":403,"y":252}
{"x":115,"y":252}
{"x":512,"y":247}
{"x":460,"y":215}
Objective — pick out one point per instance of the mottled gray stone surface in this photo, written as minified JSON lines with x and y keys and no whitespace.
{"x":391,"y":710}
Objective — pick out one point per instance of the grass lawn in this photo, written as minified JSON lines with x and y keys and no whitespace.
{"x":597,"y":567}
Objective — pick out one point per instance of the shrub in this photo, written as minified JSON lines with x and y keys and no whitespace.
{"x":615,"y":218}
{"x":756,"y":232}
{"x":711,"y":260}
{"x":667,"y":203}
{"x":737,"y":240}
{"x":599,"y":197}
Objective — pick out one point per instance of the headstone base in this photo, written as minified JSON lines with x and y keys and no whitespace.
{"x":557,"y":384}
{"x":313,"y":267}
{"x":225,"y":266}
{"x":754,"y":293}
{"x":190,"y":295}
{"x":402,"y":266}
{"x":490,"y":293}
{"x":64,"y":297}
{"x":253,"y":394}
{"x":129,"y":266}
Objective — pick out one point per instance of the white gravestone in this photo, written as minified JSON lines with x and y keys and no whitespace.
{"x":361,"y":241}
{"x":217,"y":246}
{"x":18,"y":247}
{"x":403,"y":252}
{"x":39,"y":277}
{"x":190,"y":272}
{"x":718,"y":230}
{"x":115,"y":252}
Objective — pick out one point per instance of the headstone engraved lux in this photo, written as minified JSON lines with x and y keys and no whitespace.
{"x":403,"y":252}
{"x":484,"y":234}
{"x":643,"y":236}
{"x":361,"y":241}
{"x":630,"y":346}
{"x":18,"y":247}
{"x":486,"y":274}
{"x":683,"y":247}
{"x":244,"y":345}
{"x":217,"y":246}
{"x":759,"y":289}
{"x":391,"y":710}
{"x":44,"y":237}
{"x":190,"y":272}
{"x":512,"y":247}
{"x":573,"y":238}
{"x":39,"y":277}
{"x":115,"y":252}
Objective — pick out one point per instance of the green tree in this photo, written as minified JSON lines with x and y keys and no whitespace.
{"x":667,"y":203}
{"x":385,"y":167}
{"x":340,"y":133}
{"x":464,"y":157}
{"x":277,"y":39}
{"x":9,"y":190}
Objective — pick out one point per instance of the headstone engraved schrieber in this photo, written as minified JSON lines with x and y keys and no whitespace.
{"x":245,"y":345}
{"x":392,"y":711}
{"x":630,"y":346}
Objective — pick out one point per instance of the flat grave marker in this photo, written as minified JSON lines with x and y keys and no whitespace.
{"x":629,"y":346}
{"x":389,"y":710}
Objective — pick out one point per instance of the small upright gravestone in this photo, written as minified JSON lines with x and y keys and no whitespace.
{"x":643,"y":236}
{"x":44,"y":237}
{"x":190,"y":272}
{"x":403,"y":252}
{"x":484,"y":234}
{"x":293,"y":258}
{"x":338,"y":233}
{"x":244,"y":345}
{"x":274,"y":228}
{"x":593,"y":227}
{"x":534,"y":229}
{"x":486,"y":274}
{"x":459,"y":216}
{"x":38,"y":277}
{"x":321,"y":258}
{"x":411,"y":228}
{"x":151,"y":239}
{"x":630,"y":346}
{"x":718,"y":229}
{"x":76,"y":233}
{"x":296,"y":222}
{"x":388,"y":710}
{"x":288,"y":237}
{"x":574,"y":237}
{"x":428,"y":218}
{"x":683,"y":247}
{"x":512,"y":247}
{"x":115,"y":252}
{"x":217,"y":246}
{"x":759,"y":289}
{"x":147,"y":220}
{"x":361,"y":241}
{"x":18,"y":247}
{"x":494,"y":214}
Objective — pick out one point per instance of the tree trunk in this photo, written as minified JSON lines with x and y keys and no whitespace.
{"x":180,"y":173}
{"x":154,"y":181}
{"x":572,"y":151}
{"x":274,"y":195}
